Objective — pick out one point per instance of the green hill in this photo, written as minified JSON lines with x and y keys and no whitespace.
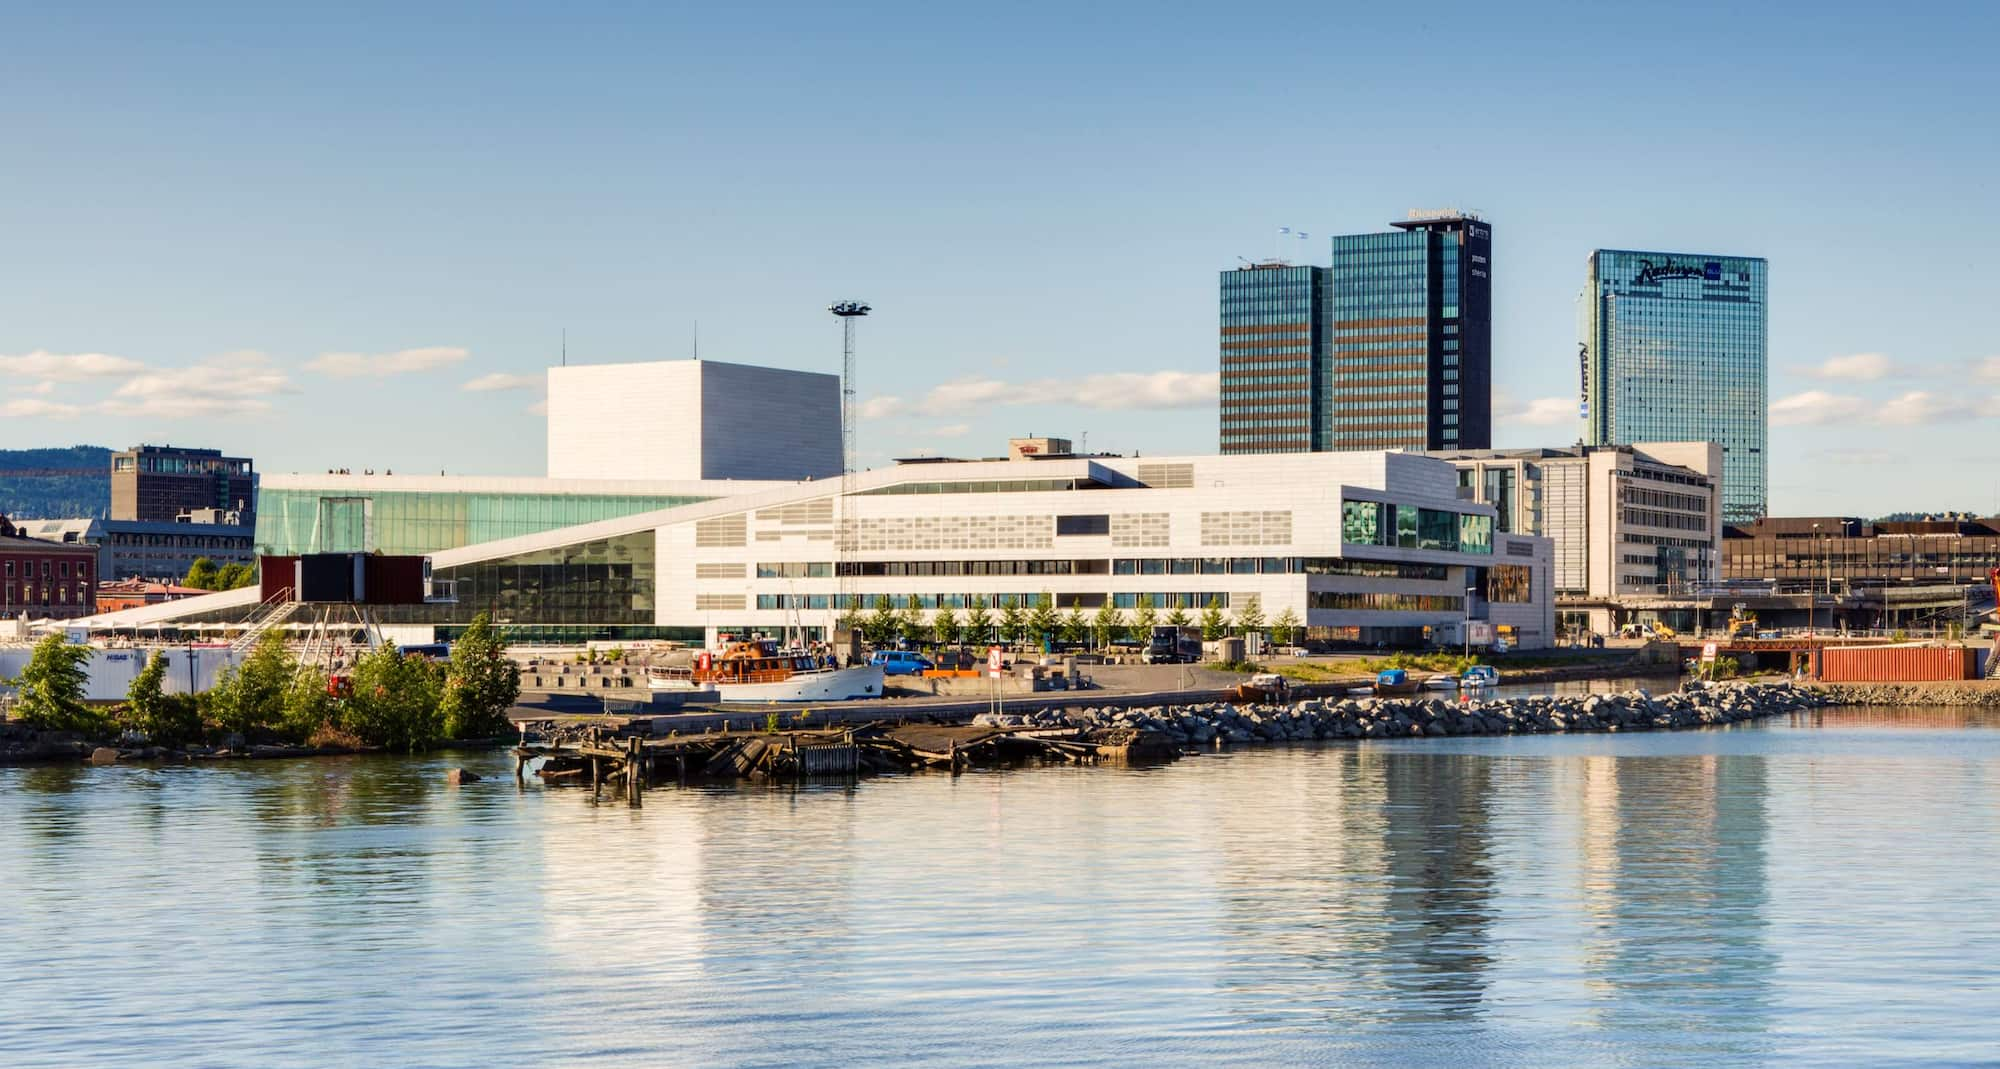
{"x":55,"y":484}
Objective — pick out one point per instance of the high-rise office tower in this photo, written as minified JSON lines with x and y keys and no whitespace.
{"x":1274,"y":351}
{"x":1672,"y":348}
{"x":1390,"y":348}
{"x":1412,"y":349}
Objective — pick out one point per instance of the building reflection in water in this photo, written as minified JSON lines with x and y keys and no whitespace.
{"x":1675,"y":881}
{"x":1361,"y":890}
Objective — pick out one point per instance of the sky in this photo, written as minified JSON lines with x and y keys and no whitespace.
{"x":353,"y":236}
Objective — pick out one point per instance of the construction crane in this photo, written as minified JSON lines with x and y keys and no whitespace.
{"x":847,"y":312}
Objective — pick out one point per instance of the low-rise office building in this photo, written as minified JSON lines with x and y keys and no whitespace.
{"x":150,"y":549}
{"x":1627,"y":522}
{"x":1357,"y":547}
{"x":45,"y":580}
{"x":1862,"y":575}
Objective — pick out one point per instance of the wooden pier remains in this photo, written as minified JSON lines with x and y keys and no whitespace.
{"x":627,"y":758}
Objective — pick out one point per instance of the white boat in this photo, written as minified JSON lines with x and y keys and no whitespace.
{"x":760,"y":672}
{"x":1441,"y":683}
{"x":1479,"y":675}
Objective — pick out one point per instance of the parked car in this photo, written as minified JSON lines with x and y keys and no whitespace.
{"x":900,"y":662}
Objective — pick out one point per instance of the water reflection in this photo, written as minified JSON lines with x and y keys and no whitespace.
{"x":1723,"y":897}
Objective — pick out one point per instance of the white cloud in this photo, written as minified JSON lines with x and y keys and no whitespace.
{"x":42,"y":388}
{"x":1988,"y":368}
{"x":1540,"y":412}
{"x":383,"y":365}
{"x":1111,"y":390}
{"x":69,"y":367}
{"x":500,"y":380}
{"x":1815,"y":407}
{"x":968,"y":393}
{"x":952,"y":430}
{"x":882,"y":407}
{"x":540,"y":408}
{"x":1859,"y":367}
{"x":1128,"y":389}
{"x":36,"y":408}
{"x":232,"y":384}
{"x":1917,"y":407}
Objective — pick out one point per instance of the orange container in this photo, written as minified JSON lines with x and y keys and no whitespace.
{"x":1898,"y":664}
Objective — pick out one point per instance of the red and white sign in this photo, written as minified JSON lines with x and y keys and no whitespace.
{"x":994,"y":661}
{"x":1708,"y":651}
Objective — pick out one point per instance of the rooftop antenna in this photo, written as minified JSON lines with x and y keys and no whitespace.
{"x":565,"y":346}
{"x":697,"y":339}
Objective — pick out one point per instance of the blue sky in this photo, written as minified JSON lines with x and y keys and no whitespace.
{"x":302,"y":234}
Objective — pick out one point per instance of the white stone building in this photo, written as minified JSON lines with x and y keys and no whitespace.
{"x":1360,"y":547}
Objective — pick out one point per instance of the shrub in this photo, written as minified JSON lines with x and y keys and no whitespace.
{"x":166,"y":719}
{"x":395,"y":701}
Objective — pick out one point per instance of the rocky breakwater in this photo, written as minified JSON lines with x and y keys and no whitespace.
{"x":1220,"y":724}
{"x":1972,"y":692}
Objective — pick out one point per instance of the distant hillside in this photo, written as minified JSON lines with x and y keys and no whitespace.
{"x":55,"y":484}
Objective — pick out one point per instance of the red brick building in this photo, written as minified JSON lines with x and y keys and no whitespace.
{"x":45,"y":579}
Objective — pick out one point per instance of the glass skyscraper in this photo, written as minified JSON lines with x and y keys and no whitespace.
{"x":1274,"y":335}
{"x":1412,"y":349}
{"x":1672,"y":348}
{"x":1390,"y":348}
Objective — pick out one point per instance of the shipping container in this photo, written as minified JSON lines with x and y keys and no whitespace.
{"x":1898,"y":664}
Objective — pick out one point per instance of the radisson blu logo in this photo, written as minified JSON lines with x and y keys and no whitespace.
{"x":1711,"y":270}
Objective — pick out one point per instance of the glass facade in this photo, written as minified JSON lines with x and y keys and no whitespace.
{"x":335,"y":521}
{"x":1369,"y":523}
{"x":1274,"y":332}
{"x":1672,"y":347}
{"x":1411,"y":339}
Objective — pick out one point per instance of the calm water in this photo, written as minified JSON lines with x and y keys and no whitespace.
{"x":1824,"y":891}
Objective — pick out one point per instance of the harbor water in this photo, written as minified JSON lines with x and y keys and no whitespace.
{"x":1821,"y":889}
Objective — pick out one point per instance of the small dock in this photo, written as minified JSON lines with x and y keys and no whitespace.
{"x":626,"y":758}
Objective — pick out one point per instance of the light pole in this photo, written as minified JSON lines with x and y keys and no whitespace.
{"x":1811,"y":594}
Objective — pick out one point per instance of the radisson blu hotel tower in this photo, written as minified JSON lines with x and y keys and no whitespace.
{"x":1672,"y":348}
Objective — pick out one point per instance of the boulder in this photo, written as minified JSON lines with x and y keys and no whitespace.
{"x":104,"y":755}
{"x":458,"y":777}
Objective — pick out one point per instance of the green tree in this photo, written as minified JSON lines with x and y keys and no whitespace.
{"x":979,"y":622}
{"x":1178,"y":617}
{"x":50,"y":690}
{"x":1144,"y":618}
{"x":251,"y":696}
{"x":308,"y":705}
{"x":948,"y":627}
{"x":203,"y":575}
{"x":1042,"y":619}
{"x":166,"y":719}
{"x":912,"y":625}
{"x":480,"y":684}
{"x":395,"y":700}
{"x":1013,"y":623}
{"x":233,"y":576}
{"x":1214,"y":622}
{"x":880,"y":627}
{"x":1285,"y":629}
{"x":1251,"y":616}
{"x":1075,"y":627}
{"x":1108,"y":625}
{"x":850,"y":620}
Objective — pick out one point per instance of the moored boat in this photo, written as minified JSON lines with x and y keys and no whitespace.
{"x":761,"y":672}
{"x":1395,"y":683}
{"x":1479,"y":675}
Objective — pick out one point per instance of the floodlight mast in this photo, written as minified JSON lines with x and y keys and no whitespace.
{"x":847,"y":312}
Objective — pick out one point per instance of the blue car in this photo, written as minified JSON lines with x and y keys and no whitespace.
{"x":900,"y":663}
